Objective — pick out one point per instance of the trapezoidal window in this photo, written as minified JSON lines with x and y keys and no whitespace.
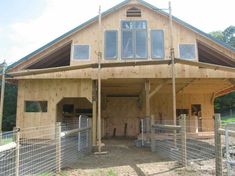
{"x":133,"y":12}
{"x":58,"y":58}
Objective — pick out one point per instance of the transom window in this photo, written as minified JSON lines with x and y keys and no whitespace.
{"x":187,"y":51}
{"x":134,"y":39}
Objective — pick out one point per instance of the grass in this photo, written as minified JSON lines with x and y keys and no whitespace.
{"x":228,"y":119}
{"x":6,"y":141}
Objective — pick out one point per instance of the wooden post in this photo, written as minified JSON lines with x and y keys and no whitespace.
{"x":17,"y":154}
{"x":99,"y":86}
{"x":94,"y":125}
{"x":218,"y":146}
{"x":153,"y":140}
{"x":58,"y":147}
{"x":183,"y":140}
{"x":147,"y":109}
{"x":172,"y":56}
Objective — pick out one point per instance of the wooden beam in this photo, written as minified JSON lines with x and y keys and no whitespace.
{"x":157,"y":88}
{"x":225,"y":91}
{"x":204,"y":65}
{"x":185,"y":86}
{"x":212,"y":98}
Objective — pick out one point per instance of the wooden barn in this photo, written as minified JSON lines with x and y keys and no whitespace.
{"x":130,"y":62}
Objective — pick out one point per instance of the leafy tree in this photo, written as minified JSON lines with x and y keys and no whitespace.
{"x":227,"y":102}
{"x":227,"y":36}
{"x":9,"y":109}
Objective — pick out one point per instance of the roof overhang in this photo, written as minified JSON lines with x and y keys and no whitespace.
{"x":120,"y":64}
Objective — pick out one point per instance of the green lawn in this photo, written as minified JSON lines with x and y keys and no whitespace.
{"x":228,"y":119}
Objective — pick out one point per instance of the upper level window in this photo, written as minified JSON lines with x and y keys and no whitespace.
{"x":110,"y":51}
{"x":157,"y":43}
{"x":134,"y":39}
{"x":187,"y":51}
{"x":81,"y":52}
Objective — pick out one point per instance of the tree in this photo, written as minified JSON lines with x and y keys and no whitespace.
{"x":227,"y":36}
{"x":9,"y":109}
{"x":227,"y":102}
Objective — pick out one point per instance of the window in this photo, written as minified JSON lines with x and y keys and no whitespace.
{"x":35,"y":106}
{"x":157,"y":43}
{"x":134,"y":39}
{"x":187,"y":51}
{"x":81,"y":52}
{"x":110,"y":45}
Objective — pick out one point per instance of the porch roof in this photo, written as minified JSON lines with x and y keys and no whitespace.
{"x":120,"y":64}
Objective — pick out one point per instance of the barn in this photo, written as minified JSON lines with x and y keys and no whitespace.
{"x":131,"y":62}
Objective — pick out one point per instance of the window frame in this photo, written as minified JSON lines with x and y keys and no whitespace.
{"x":111,"y":58}
{"x":133,"y":32}
{"x":89,"y":52}
{"x":25,"y":106}
{"x":163,"y":43}
{"x":195,"y":51}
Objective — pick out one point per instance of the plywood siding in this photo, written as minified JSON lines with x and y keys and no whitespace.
{"x":119,"y":111}
{"x":48,"y":90}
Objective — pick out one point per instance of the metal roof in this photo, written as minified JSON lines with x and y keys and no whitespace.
{"x":111,"y":10}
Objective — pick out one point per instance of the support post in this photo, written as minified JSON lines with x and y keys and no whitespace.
{"x":99,"y":86}
{"x":172,"y":56}
{"x":94,"y":114}
{"x":147,"y":109}
{"x":153,"y":140}
{"x":17,"y":154}
{"x":58,"y":147}
{"x":218,"y":145}
{"x":94,"y":124}
{"x":183,"y":140}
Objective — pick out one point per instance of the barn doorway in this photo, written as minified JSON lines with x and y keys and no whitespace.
{"x":69,"y":110}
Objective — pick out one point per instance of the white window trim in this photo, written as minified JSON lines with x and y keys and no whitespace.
{"x":195,"y":48}
{"x":81,"y":60}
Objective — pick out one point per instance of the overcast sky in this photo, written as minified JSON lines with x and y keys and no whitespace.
{"x":26,"y":25}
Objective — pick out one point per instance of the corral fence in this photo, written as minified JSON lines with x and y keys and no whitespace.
{"x":209,"y":152}
{"x":44,"y":150}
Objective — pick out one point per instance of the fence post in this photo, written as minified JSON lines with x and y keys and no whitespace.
{"x":153,"y":140}
{"x":183,"y":139}
{"x":58,"y":147}
{"x":17,"y":154}
{"x":218,"y":146}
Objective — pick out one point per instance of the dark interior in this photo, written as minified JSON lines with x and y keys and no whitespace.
{"x":60,"y":57}
{"x":208,"y":55}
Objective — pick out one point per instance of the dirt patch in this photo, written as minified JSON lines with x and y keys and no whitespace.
{"x":124,"y":159}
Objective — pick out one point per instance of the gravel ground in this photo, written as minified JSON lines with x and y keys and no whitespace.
{"x":124,"y":159}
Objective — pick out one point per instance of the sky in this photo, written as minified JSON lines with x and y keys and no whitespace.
{"x":26,"y":25}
